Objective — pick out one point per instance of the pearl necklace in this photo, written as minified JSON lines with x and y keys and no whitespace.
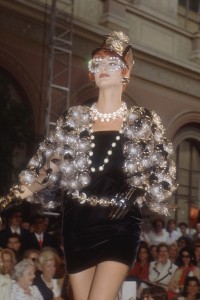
{"x":48,"y":284}
{"x":109,"y":153}
{"x":121,"y":112}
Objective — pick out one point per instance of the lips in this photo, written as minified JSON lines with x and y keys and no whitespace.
{"x":102,"y":75}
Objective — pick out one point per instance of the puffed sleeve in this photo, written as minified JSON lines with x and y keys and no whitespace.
{"x":149,"y":163}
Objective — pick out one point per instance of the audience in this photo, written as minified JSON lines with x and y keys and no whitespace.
{"x":154,"y":293}
{"x":158,"y":234}
{"x":8,"y":262}
{"x":190,"y":290}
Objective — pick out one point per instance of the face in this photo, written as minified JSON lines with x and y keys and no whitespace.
{"x":153,"y":252}
{"x":107,"y":70}
{"x":192,"y":288}
{"x":143,"y":254}
{"x":183,"y":229}
{"x":34,"y":258}
{"x":16,"y":219}
{"x":27,"y":278}
{"x":171,"y":226}
{"x":39,"y":226}
{"x":185,"y":257}
{"x":173,"y":251}
{"x":49,"y":268}
{"x":158,"y":226}
{"x":7,"y":263}
{"x":14,"y":243}
{"x":163,"y":254}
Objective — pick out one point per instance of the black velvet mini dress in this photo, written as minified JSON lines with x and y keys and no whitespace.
{"x":90,"y":236}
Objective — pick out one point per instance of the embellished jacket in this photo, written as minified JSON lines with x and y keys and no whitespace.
{"x":148,"y":158}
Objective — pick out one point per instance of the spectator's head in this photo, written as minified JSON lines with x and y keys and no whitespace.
{"x":154,"y":293}
{"x":153,"y":251}
{"x":15,"y":218}
{"x":191,"y":287}
{"x":173,"y":252}
{"x":8,"y":261}
{"x":186,"y":256}
{"x":33,"y":256}
{"x":171,"y":225}
{"x":163,"y":252}
{"x":14,"y":242}
{"x":182,"y":242}
{"x":158,"y":224}
{"x":143,"y":254}
{"x":48,"y":262}
{"x":39,"y":224}
{"x":183,"y":227}
{"x":24,"y":273}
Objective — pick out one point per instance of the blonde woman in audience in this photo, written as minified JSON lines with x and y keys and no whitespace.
{"x":22,"y":288}
{"x":8,"y":262}
{"x":49,"y":286}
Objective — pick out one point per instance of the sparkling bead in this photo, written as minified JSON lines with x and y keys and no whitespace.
{"x":93,"y":145}
{"x":117,"y":137}
{"x":109,"y":152}
{"x":101,"y":168}
{"x":93,"y":169}
{"x":113,"y":144}
{"x":106,"y":160}
{"x":90,"y":153}
{"x":92,"y":137}
{"x":89,"y":162}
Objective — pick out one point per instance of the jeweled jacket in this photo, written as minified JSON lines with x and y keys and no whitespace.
{"x":148,"y":157}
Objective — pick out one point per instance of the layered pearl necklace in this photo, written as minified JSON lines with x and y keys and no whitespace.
{"x":120,"y":113}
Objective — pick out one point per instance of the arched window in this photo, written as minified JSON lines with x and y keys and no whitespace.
{"x":187,"y":196}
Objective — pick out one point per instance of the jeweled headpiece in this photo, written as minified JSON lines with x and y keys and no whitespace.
{"x":118,"y":43}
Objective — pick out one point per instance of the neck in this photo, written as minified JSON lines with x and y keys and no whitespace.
{"x":109,"y":100}
{"x":25,"y":287}
{"x":47,"y":279}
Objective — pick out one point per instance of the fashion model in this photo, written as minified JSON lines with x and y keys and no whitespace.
{"x":110,"y":160}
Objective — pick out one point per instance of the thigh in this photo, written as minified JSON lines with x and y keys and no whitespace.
{"x":81,"y":283}
{"x":107,"y":281}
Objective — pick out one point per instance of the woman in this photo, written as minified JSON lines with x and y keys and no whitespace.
{"x":186,"y":268}
{"x":111,"y":160}
{"x":22,"y":288}
{"x":173,"y":253}
{"x":49,"y":287}
{"x":33,"y":255}
{"x":191,"y":289}
{"x":140,"y":271}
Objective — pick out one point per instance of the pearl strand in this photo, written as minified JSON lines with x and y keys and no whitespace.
{"x":121,"y":112}
{"x":109,"y":153}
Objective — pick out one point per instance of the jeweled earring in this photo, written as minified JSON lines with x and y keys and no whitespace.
{"x":125,"y":80}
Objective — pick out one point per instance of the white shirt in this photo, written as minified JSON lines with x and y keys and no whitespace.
{"x":17,"y":293}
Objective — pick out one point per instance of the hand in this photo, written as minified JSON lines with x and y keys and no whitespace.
{"x":13,"y":196}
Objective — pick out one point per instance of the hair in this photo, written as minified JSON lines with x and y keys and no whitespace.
{"x":156,"y":292}
{"x":11,"y":253}
{"x":156,"y":221}
{"x":47,"y":254}
{"x":29,"y":251}
{"x":143,"y":247}
{"x":20,"y":268}
{"x":183,"y":224}
{"x":14,"y":235}
{"x":186,"y":283}
{"x":162,"y":245}
{"x":190,"y":252}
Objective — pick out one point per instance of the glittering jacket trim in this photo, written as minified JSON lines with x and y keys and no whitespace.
{"x":148,"y":163}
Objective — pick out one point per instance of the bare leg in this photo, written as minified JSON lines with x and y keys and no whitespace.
{"x":81,"y":283}
{"x":108,"y":278}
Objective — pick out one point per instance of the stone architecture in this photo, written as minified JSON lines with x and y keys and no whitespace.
{"x":166,"y":76}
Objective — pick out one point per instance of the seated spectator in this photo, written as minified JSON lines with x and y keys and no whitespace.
{"x":14,"y":243}
{"x":190,"y":290}
{"x":173,"y":232}
{"x":186,"y":268}
{"x":22,"y":288}
{"x":184,"y":232}
{"x":140,"y":271}
{"x":183,"y":242}
{"x":49,"y":286}
{"x":162,"y":270}
{"x":5,"y":287}
{"x":8,"y":262}
{"x":158,"y":234}
{"x":173,"y":253}
{"x":154,"y":293}
{"x":40,"y":238}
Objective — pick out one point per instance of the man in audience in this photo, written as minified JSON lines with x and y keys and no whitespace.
{"x":14,"y":243}
{"x":40,"y":238}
